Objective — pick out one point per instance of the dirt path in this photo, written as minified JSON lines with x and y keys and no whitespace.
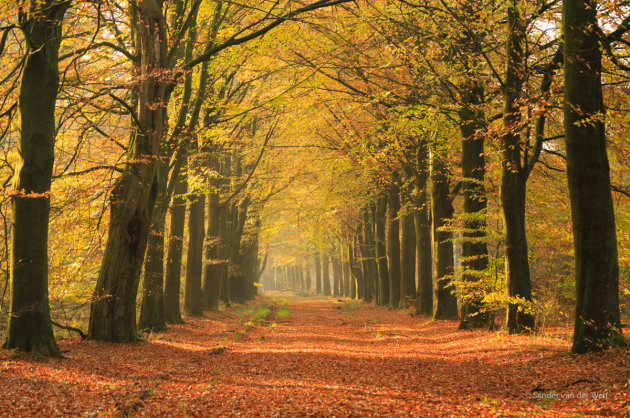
{"x":324,"y":358}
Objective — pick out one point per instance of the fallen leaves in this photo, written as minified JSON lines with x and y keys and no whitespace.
{"x":378,"y":362}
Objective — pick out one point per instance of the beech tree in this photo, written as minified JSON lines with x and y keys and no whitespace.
{"x":30,"y":327}
{"x":597,"y":321}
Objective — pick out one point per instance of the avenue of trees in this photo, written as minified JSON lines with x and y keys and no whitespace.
{"x":460,"y":159}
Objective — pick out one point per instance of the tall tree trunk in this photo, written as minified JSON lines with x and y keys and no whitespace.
{"x":172,"y":284}
{"x":194,"y":257}
{"x":224,"y":284}
{"x":422,"y":214}
{"x":380,"y":215}
{"x":295,"y":286}
{"x":182,"y":130}
{"x":152,"y":307}
{"x":302,"y":282}
{"x":356,"y":275}
{"x":346,"y":278}
{"x":514,"y":181}
{"x":474,"y":248}
{"x":446,"y":302}
{"x":113,"y":309}
{"x":393,"y":247}
{"x":318,"y":273}
{"x":307,"y":276}
{"x":212,"y":267}
{"x":29,"y":327}
{"x":337,"y":279}
{"x":407,"y":259}
{"x":238,"y":285}
{"x":597,"y":319}
{"x":368,"y":259}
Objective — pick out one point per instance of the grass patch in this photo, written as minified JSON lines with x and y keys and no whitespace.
{"x":347,"y":307}
{"x":283,"y":313}
{"x":262,"y":314}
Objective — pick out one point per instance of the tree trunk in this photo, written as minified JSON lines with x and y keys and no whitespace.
{"x":407,"y":259}
{"x":224,"y":231}
{"x":113,"y":309}
{"x":422,"y":214}
{"x":237,"y":279}
{"x":597,"y":320}
{"x":302,"y":282}
{"x":307,"y":276}
{"x":380,"y":214}
{"x":194,"y":257}
{"x":318,"y":273}
{"x":346,"y":278}
{"x":29,"y":327}
{"x":393,"y":248}
{"x":212,"y":267}
{"x":446,"y":302}
{"x":337,"y":279}
{"x":187,"y":122}
{"x":294,"y":278}
{"x":473,"y":128}
{"x":368,"y":258}
{"x":152,"y":307}
{"x":514,"y":183}
{"x":172,"y":283}
{"x":357,"y":275}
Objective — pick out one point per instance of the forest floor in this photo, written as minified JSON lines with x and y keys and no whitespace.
{"x":293,"y":356}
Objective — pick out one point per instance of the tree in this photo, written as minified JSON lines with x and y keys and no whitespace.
{"x":407,"y":257}
{"x":112,"y":316}
{"x":30,"y":327}
{"x":514,"y":180}
{"x":422,"y":214}
{"x":597,"y":321}
{"x":113,"y":310}
{"x":380,"y":215}
{"x":442,"y":208}
{"x":393,"y":246}
{"x":318,"y":272}
{"x":172,"y":280}
{"x":326,"y":276}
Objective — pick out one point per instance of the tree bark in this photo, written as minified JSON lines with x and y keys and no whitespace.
{"x":422,"y":215}
{"x":113,"y":308}
{"x":393,"y":247}
{"x":597,"y":318}
{"x":337,"y":279}
{"x":344,"y":256}
{"x":368,"y":256}
{"x":407,"y":259}
{"x":514,"y":182}
{"x":152,"y":307}
{"x":29,"y":327}
{"x":172,"y":285}
{"x":194,"y":258}
{"x":224,"y":232}
{"x":446,"y":302}
{"x":380,"y":214}
{"x":356,"y":275}
{"x":238,"y":289}
{"x":318,"y":273}
{"x":212,"y":267}
{"x":473,"y":128}
{"x":307,"y":276}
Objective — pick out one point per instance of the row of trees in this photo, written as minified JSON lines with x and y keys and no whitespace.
{"x":158,"y":54}
{"x":502,"y":80}
{"x":389,"y":111}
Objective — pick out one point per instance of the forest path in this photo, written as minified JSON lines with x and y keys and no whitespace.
{"x":325,"y":357}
